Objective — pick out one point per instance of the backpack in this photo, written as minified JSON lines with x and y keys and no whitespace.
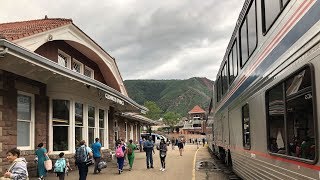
{"x":119,"y":152}
{"x":81,"y":155}
{"x":129,"y":150}
{"x":59,"y":165}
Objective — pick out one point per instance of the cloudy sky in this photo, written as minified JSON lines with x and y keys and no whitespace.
{"x":168,"y":39}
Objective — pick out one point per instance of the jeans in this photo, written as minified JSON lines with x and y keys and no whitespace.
{"x":83,"y":171}
{"x":163,"y":162}
{"x":96,"y":162}
{"x":120,"y":162}
{"x":149,"y":158}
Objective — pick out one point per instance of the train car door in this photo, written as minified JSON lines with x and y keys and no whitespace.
{"x":225,"y":124}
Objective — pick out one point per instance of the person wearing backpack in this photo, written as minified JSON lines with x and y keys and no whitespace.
{"x":18,"y":168}
{"x":120,"y":150}
{"x":82,"y":155}
{"x":148,"y":146}
{"x":97,"y":155}
{"x":60,"y":166}
{"x":130,"y":151}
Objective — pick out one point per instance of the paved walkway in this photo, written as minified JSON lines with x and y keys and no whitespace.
{"x":177,"y":167}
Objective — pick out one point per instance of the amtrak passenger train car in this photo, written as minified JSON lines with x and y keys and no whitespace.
{"x":266,"y":118}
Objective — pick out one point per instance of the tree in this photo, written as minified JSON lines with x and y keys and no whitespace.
{"x":154,"y":110}
{"x":171,"y":118}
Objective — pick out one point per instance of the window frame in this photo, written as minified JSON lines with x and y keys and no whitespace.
{"x":68,"y":59}
{"x":263,"y":15}
{"x":231,"y":52}
{"x":315,"y":115}
{"x":32,"y":122}
{"x":104,"y":143}
{"x":83,"y":121}
{"x":60,"y":125}
{"x":89,"y":69}
{"x":245,"y":20}
{"x":79,"y":63}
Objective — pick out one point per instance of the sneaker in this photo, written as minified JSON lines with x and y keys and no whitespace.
{"x":147,"y":167}
{"x":152,"y":167}
{"x":119,"y":171}
{"x":163,"y":169}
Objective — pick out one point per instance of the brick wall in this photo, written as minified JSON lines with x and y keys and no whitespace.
{"x":9,"y":86}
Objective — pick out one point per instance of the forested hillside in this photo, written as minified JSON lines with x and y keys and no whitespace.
{"x":178,"y":96}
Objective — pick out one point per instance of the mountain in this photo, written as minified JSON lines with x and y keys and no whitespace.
{"x":178,"y":96}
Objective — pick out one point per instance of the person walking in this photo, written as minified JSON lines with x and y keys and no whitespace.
{"x":120,"y":154}
{"x":60,"y":166}
{"x":18,"y":168}
{"x":83,"y":153}
{"x":148,"y":145}
{"x":140,"y":144}
{"x":173,"y":142}
{"x":97,"y":155}
{"x":180,"y":146}
{"x":203,"y":142}
{"x":42,"y":155}
{"x":163,"y":154}
{"x":130,"y":152}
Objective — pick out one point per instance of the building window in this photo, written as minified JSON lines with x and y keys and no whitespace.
{"x":248,"y":34}
{"x":290,"y":117}
{"x":102,"y":130}
{"x":91,"y":124}
{"x":246,"y":127}
{"x":60,"y":122}
{"x":233,"y":62}
{"x":77,"y":66}
{"x":78,"y":123}
{"x":88,"y":72}
{"x":25,"y":120}
{"x":64,"y":59}
{"x":271,"y":9}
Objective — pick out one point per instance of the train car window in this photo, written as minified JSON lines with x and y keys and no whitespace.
{"x":224,"y":79}
{"x":271,"y":9}
{"x":246,"y":127}
{"x":235,"y":59}
{"x":291,"y":117}
{"x":300,"y":120}
{"x":277,"y":143}
{"x":252,"y":29}
{"x":248,"y":35}
{"x":243,"y":44}
{"x":219,"y":88}
{"x":233,"y":63}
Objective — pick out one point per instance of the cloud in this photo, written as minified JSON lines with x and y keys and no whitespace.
{"x":149,"y":39}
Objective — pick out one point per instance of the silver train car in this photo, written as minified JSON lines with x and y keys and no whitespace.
{"x":266,"y":118}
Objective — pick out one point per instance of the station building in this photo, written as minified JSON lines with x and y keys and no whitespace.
{"x":58,"y":86}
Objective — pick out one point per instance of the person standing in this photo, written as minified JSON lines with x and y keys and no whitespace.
{"x":83,"y":153}
{"x":148,"y":145}
{"x":18,"y":168}
{"x":203,"y":142}
{"x":120,"y":150}
{"x":42,"y":154}
{"x":163,"y":154}
{"x":97,"y":155}
{"x":130,"y":152}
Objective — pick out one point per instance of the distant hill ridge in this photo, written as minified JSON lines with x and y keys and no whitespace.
{"x":178,"y":96}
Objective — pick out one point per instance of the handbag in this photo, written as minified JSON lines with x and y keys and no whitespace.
{"x":102,"y":165}
{"x":89,"y":162}
{"x":48,"y":163}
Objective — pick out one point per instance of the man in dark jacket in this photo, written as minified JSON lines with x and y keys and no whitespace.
{"x":148,"y":145}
